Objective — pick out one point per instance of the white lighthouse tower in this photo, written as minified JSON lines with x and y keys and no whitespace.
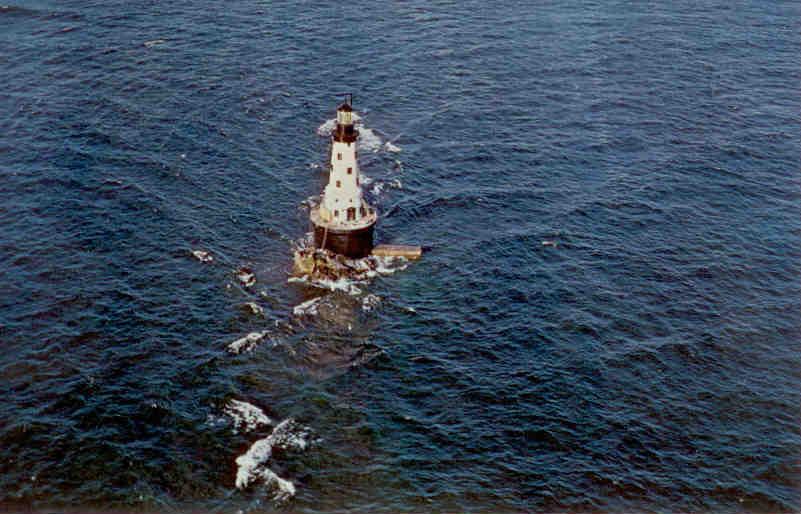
{"x":343,"y":221}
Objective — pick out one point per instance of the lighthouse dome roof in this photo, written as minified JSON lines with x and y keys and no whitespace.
{"x":345,"y":106}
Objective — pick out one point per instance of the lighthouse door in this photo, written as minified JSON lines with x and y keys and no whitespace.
{"x":351,"y":213}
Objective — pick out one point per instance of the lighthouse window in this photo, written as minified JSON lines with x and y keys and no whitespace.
{"x":361,"y":212}
{"x":350,"y":171}
{"x":336,"y":214}
{"x":339,"y":183}
{"x":339,"y":156}
{"x":351,"y":214}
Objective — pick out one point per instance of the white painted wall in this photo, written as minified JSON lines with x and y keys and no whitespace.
{"x":349,"y":193}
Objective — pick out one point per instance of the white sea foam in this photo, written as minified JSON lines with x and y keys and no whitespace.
{"x":202,"y":255}
{"x":343,"y":284}
{"x":327,"y":127}
{"x":310,"y":202}
{"x":389,"y":147}
{"x":378,"y":188}
{"x":286,"y":489}
{"x":215,"y":421}
{"x":389,"y":265}
{"x":255,"y":308}
{"x":246,"y":277}
{"x":246,"y":416}
{"x":252,"y":465}
{"x":369,"y":141}
{"x":370,"y":302}
{"x":309,"y":307}
{"x":340,"y":284}
{"x":246,"y":343}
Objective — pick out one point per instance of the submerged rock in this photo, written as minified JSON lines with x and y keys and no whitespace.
{"x":253,"y":308}
{"x":246,"y":276}
{"x":246,"y":343}
{"x":202,"y":255}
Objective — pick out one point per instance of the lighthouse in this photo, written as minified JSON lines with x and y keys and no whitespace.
{"x":343,"y":221}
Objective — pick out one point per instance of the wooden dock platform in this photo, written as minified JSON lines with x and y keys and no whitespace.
{"x":407,"y":251}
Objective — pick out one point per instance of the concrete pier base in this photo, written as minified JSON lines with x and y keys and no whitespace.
{"x":409,"y":252}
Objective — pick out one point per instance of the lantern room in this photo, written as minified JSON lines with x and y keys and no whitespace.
{"x":345,"y":131}
{"x":345,"y":114}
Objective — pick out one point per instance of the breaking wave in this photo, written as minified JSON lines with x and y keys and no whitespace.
{"x":246,"y":416}
{"x":378,"y":188}
{"x":247,"y":343}
{"x":309,"y":307}
{"x":202,"y":255}
{"x":252,"y":465}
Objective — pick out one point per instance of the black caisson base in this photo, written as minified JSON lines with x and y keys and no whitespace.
{"x":350,"y":243}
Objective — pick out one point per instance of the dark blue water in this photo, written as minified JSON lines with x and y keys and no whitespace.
{"x":608,"y":318}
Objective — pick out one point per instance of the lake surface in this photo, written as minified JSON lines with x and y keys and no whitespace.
{"x":607,"y":318}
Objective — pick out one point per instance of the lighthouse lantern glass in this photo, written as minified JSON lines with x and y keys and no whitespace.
{"x":345,"y":117}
